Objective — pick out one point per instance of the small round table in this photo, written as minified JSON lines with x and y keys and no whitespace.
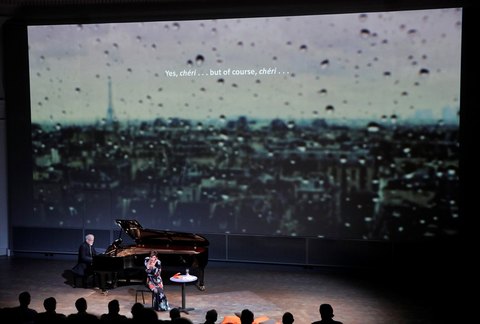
{"x":183,"y":279}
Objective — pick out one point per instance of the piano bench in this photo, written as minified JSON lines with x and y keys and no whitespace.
{"x":141,"y":290}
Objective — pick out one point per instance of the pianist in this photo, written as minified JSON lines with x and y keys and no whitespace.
{"x":86,"y":251}
{"x":154,"y":281}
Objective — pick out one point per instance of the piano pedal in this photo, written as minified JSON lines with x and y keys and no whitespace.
{"x":105,"y":293}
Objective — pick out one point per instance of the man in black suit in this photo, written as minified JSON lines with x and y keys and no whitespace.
{"x":86,"y":251}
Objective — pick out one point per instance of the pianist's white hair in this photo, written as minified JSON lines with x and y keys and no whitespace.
{"x":89,"y":236}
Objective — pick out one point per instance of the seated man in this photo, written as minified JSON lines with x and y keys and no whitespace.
{"x":86,"y":251}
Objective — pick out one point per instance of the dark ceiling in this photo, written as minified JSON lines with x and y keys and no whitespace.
{"x":97,"y":10}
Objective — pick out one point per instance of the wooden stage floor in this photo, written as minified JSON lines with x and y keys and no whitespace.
{"x":357,"y":296}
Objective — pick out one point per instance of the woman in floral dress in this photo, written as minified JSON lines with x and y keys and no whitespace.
{"x":154,"y":281}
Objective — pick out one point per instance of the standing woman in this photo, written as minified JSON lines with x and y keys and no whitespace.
{"x":155,"y":283}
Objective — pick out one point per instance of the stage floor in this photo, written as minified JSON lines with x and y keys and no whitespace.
{"x":357,"y":296}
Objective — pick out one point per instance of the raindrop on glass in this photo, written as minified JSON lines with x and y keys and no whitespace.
{"x":424,"y":72}
{"x":199,"y":60}
{"x":324,"y":64}
{"x":322,"y":92}
{"x":365,"y":33}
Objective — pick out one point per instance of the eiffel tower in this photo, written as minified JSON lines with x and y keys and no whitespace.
{"x":110,"y":114}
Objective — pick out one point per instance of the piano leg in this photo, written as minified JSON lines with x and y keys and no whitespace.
{"x":201,"y":276}
{"x":103,"y":281}
{"x":114,"y":279}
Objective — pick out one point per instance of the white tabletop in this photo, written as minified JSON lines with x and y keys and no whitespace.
{"x":184,"y":278}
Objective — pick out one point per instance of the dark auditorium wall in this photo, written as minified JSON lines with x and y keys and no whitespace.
{"x":3,"y":158}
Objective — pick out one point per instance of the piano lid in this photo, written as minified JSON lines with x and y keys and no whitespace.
{"x":145,"y":236}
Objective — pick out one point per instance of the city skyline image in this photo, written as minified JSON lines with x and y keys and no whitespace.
{"x":343,"y":126}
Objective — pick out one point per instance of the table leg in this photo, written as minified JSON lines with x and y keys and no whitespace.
{"x":184,"y":308}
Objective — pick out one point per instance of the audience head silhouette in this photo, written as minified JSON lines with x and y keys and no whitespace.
{"x":287,"y":318}
{"x":136,"y":308}
{"x":27,"y":314}
{"x":82,"y":316}
{"x":24,"y":298}
{"x":147,"y":316}
{"x":174,"y":313}
{"x":113,"y":307}
{"x":50,"y":316}
{"x":211,"y":316}
{"x":246,"y":317}
{"x":50,"y":304}
{"x":81,"y":305}
{"x":326,"y":311}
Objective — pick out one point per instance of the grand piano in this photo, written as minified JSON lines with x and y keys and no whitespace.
{"x":176,"y":249}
